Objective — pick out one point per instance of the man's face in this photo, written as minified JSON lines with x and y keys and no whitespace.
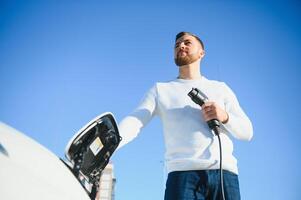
{"x":187,"y":50}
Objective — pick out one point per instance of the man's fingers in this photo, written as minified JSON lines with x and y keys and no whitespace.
{"x":210,"y":111}
{"x":208,"y":106}
{"x":208,"y":115}
{"x":208,"y":103}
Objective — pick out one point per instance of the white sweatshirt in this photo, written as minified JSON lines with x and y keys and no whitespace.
{"x":189,"y":143}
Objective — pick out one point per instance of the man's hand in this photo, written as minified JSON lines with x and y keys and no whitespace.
{"x":211,"y":110}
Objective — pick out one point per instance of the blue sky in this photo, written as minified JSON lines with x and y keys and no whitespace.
{"x":64,"y":62}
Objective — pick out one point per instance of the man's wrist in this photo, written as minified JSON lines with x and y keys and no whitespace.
{"x":227,"y":119}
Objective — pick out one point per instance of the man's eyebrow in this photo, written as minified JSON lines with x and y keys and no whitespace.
{"x":186,"y":40}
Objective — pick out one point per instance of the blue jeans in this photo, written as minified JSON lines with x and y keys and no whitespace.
{"x":201,"y":185}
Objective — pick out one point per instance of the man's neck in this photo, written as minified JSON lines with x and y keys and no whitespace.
{"x":190,"y":72}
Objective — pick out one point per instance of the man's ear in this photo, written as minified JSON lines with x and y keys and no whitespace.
{"x":202,"y":53}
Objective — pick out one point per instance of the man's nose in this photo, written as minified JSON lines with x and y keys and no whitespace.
{"x":182,"y":45}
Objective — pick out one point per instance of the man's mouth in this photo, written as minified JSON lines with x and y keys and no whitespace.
{"x":182,"y":53}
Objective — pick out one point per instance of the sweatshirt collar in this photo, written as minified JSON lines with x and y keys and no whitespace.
{"x":201,"y":78}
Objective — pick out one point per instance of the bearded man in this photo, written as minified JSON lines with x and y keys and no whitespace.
{"x":192,"y":151}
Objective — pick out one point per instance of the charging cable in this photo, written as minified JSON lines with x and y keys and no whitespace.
{"x":200,"y":98}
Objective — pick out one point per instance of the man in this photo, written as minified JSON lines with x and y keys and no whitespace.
{"x":192,"y":151}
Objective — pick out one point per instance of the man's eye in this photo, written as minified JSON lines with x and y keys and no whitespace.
{"x":187,"y":43}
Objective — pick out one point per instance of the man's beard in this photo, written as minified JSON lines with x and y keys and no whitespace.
{"x":186,"y":60}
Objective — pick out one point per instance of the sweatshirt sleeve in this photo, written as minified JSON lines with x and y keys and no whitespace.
{"x":131,"y":125}
{"x":239,"y":125}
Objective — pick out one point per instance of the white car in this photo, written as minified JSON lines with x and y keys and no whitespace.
{"x":30,"y":171}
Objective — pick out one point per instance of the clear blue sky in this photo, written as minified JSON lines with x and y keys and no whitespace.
{"x":64,"y":62}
